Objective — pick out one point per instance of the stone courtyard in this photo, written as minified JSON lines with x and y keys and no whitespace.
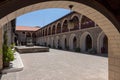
{"x":61,"y":65}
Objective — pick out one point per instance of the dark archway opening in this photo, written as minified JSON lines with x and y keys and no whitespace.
{"x":53,"y":30}
{"x":65,"y":43}
{"x":74,"y":43}
{"x":58,"y":28}
{"x":65,"y":26}
{"x":88,"y":42}
{"x":104,"y":49}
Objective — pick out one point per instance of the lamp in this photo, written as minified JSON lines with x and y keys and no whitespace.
{"x":70,"y":22}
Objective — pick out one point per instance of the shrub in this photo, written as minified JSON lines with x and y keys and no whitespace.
{"x":12,"y":45}
{"x":8,"y":53}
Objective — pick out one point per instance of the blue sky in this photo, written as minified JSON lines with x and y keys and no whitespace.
{"x":41,"y":17}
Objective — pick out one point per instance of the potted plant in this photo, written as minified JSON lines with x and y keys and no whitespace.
{"x":8,"y":53}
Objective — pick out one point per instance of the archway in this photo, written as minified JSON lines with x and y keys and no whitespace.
{"x":75,"y":20}
{"x":53,"y":29}
{"x":102,"y":43}
{"x":52,"y":41}
{"x":49,"y":31}
{"x":48,"y":41}
{"x":86,"y":23}
{"x":64,"y":42}
{"x":58,"y":28}
{"x":89,"y":8}
{"x":57,"y":42}
{"x":85,"y":38}
{"x":65,"y":26}
{"x":72,"y":42}
{"x":88,"y":43}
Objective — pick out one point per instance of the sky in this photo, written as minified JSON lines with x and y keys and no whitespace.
{"x":41,"y":17}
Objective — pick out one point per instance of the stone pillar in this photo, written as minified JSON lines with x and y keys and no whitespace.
{"x":1,"y":37}
{"x":80,"y":21}
{"x":114,"y":61}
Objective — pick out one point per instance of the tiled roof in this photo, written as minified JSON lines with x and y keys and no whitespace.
{"x":26,"y":28}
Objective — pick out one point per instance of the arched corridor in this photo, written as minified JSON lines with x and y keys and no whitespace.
{"x":86,"y":42}
{"x":93,"y":10}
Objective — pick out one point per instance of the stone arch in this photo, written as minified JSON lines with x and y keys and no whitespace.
{"x":93,"y":10}
{"x":53,"y":29}
{"x":63,"y":20}
{"x":28,"y":34}
{"x":76,"y":21}
{"x":45,"y":31}
{"x":100,"y":42}
{"x":72,"y":46}
{"x":57,"y":42}
{"x":49,"y":30}
{"x":76,"y":14}
{"x":65,"y":26}
{"x":64,"y":42}
{"x":87,"y":22}
{"x":83,"y":41}
{"x":58,"y":29}
{"x":51,"y":41}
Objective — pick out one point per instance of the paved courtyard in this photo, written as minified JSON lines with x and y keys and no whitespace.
{"x":61,"y":65}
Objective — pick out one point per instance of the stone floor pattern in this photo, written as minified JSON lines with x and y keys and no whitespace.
{"x":61,"y":65}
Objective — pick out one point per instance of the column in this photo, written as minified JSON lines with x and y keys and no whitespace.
{"x":80,"y":21}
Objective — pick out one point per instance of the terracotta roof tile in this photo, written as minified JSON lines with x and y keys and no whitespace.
{"x":26,"y":28}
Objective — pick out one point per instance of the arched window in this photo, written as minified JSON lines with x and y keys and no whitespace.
{"x":58,"y":28}
{"x":53,"y":29}
{"x":76,"y":23}
{"x":87,"y":23}
{"x":65,"y":26}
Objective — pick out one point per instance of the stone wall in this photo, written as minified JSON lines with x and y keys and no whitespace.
{"x":94,"y":32}
{"x":1,"y":62}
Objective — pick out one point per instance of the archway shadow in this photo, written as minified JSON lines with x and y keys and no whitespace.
{"x":86,"y":53}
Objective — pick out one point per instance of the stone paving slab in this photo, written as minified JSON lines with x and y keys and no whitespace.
{"x":61,"y":65}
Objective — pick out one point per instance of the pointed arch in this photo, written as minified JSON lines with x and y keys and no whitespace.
{"x":72,"y":42}
{"x":83,"y":41}
{"x":102,"y":43}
